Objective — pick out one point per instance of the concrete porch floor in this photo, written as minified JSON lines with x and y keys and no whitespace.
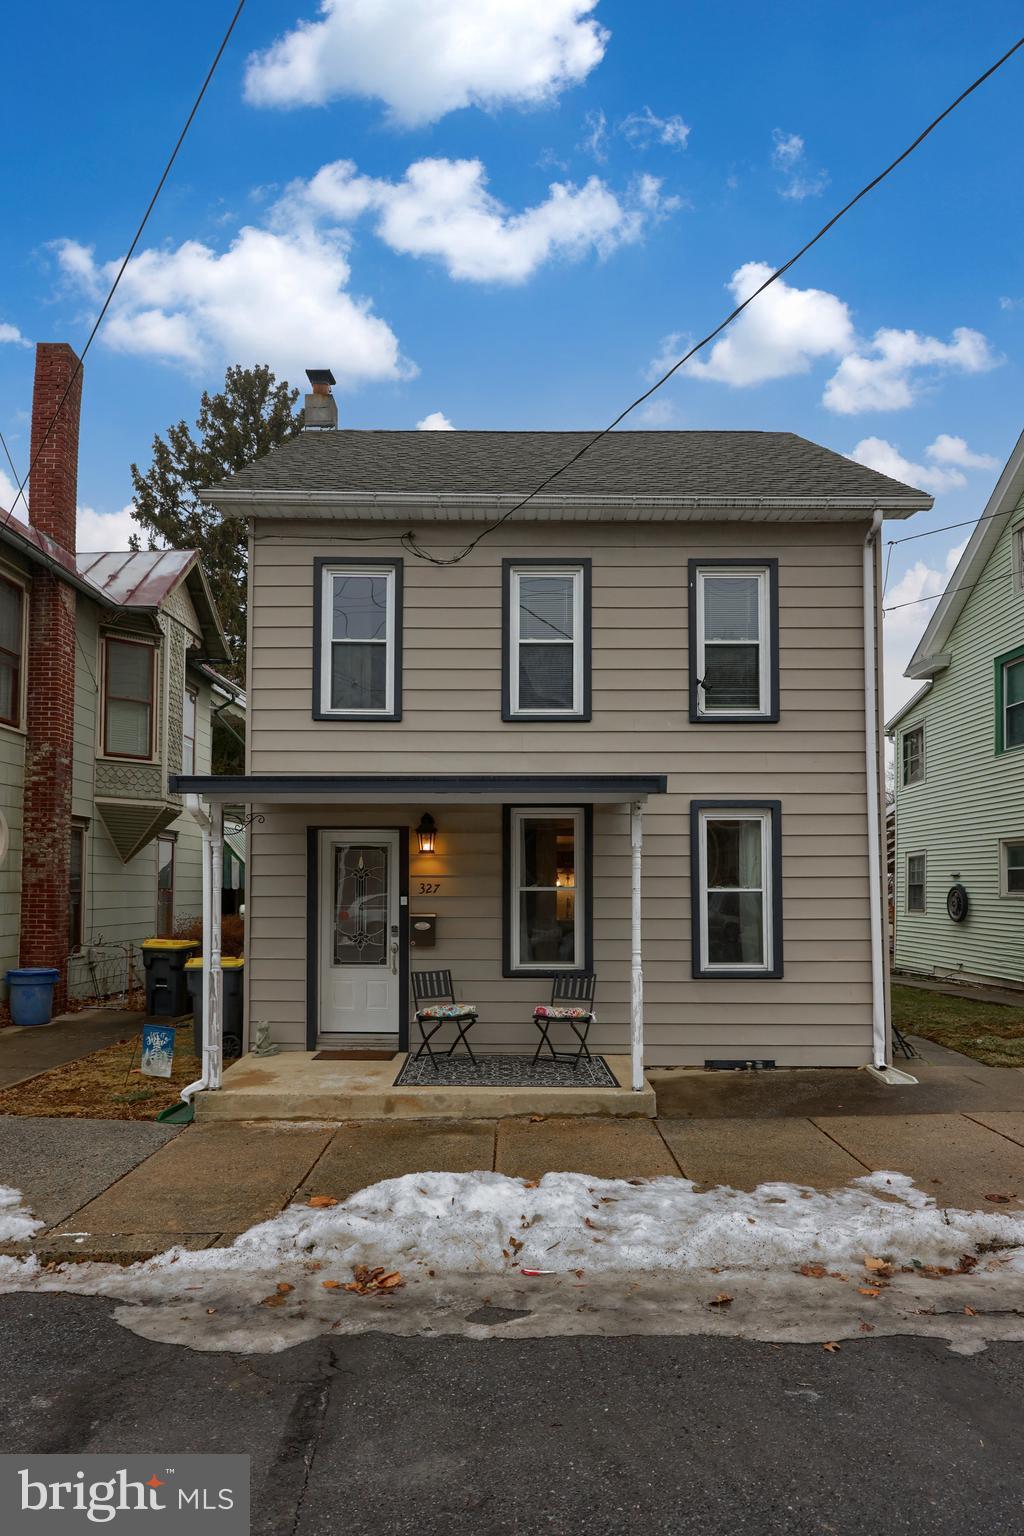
{"x":293,"y":1086}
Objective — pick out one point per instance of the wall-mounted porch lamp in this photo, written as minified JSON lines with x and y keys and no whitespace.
{"x":426,"y":832}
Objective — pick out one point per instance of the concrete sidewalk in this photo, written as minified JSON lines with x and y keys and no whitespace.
{"x":25,"y":1052}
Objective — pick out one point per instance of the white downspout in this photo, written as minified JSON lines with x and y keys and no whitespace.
{"x":636,"y":991}
{"x":879,"y":1025}
{"x":198,"y":810}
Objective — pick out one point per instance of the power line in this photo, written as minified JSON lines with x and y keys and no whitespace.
{"x":408,"y":539}
{"x":934,"y":596}
{"x":926,"y":533}
{"x":131,"y":251}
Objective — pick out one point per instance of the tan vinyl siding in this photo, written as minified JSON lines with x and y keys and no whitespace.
{"x":971,"y":796}
{"x":812,"y":760}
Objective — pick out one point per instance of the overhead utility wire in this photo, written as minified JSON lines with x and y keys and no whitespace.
{"x":926,"y":533}
{"x":408,"y":539}
{"x":933,"y":597}
{"x":131,"y":251}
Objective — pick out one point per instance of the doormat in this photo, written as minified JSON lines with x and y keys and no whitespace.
{"x":355,"y":1056}
{"x":504,"y":1072}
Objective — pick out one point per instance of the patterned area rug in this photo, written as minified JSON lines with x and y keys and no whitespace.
{"x":504,"y":1072}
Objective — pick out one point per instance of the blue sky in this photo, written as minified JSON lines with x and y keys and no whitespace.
{"x":504,"y":211}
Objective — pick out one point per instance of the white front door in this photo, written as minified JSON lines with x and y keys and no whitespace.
{"x":360,"y":957}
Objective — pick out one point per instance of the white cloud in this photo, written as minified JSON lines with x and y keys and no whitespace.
{"x":595,"y":135}
{"x":948,"y":456}
{"x":442,"y":209}
{"x":954,"y":450}
{"x":790,"y":159}
{"x":782,"y":333}
{"x":659,"y":412}
{"x":645,"y":128}
{"x":105,"y":530}
{"x":8,"y":493}
{"x":12,"y":334}
{"x":884,"y":374}
{"x":906,"y":623}
{"x":437,"y":421}
{"x":1007,"y":303}
{"x":424,"y":60}
{"x":275,"y":297}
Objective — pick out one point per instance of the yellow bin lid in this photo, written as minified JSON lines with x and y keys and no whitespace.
{"x":228,"y":963}
{"x":168,"y":943}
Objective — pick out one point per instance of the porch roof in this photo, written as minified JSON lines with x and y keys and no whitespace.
{"x":397,"y":789}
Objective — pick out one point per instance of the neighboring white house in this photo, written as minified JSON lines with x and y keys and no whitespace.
{"x":959,"y":746}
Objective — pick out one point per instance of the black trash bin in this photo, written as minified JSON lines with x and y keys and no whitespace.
{"x":166,"y":992}
{"x":233,"y":968}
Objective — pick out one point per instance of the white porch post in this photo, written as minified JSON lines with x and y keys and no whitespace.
{"x":636,"y":990}
{"x":213,"y":975}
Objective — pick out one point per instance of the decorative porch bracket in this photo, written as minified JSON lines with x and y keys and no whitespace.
{"x":636,"y":989}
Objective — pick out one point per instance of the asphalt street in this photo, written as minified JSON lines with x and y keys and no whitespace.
{"x":707,"y":1437}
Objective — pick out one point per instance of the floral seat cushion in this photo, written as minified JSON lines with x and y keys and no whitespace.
{"x":446,"y":1011}
{"x":550,"y":1011}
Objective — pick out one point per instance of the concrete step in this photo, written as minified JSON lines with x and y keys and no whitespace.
{"x":292,"y":1086}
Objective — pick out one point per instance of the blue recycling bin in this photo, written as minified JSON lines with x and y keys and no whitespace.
{"x":31,"y":993}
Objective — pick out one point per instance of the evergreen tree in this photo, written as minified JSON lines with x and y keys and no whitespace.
{"x":252,"y":414}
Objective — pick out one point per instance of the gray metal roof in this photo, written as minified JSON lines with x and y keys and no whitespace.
{"x":670,"y":464}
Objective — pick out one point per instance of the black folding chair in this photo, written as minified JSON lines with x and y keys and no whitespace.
{"x":901,"y":1043}
{"x":435,"y":1002}
{"x":572,"y":1003}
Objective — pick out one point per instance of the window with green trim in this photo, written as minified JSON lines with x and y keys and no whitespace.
{"x":1010,"y":700}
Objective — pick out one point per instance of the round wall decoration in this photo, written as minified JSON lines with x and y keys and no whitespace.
{"x":957,"y":904}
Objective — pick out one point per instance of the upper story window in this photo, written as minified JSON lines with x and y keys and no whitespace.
{"x":129,"y":689}
{"x":1010,"y":700}
{"x":357,"y":675}
{"x":546,"y":643}
{"x":547,"y":900}
{"x":12,"y":647}
{"x":736,"y":888}
{"x":912,"y":758}
{"x":188,"y":731}
{"x":734,"y":626}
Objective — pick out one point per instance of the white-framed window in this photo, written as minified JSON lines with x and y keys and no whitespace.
{"x":546,"y":870}
{"x":912,"y":756}
{"x":359,"y":640}
{"x":733,"y":640}
{"x":546,"y":671}
{"x":1011,"y":866}
{"x":737,"y":918}
{"x":129,"y":694}
{"x":189,"y":712}
{"x":13,"y":607}
{"x":917,"y":882}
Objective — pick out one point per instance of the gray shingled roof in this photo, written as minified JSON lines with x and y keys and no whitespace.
{"x":775,"y":464}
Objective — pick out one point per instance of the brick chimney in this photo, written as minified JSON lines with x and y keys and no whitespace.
{"x":53,"y":489}
{"x":49,"y":748}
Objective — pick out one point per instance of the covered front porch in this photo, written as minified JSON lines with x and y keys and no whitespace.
{"x":528,"y":880}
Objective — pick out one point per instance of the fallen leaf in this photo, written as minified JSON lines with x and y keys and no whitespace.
{"x":532,"y":1184}
{"x":971,"y":1311}
{"x":721,"y":1300}
{"x":832,"y":1347}
{"x":867,"y":1327}
{"x":536,"y":1119}
{"x":321,"y":1202}
{"x":867,"y":1290}
{"x":283,"y":1287}
{"x":273,"y":1301}
{"x":210,"y":1311}
{"x":835,"y":1274}
{"x":1001,"y":1199}
{"x":967,"y":1262}
{"x":813,"y":1271}
{"x":331,"y":1285}
{"x":878,"y":1266}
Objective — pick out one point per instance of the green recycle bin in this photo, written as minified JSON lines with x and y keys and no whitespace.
{"x":233,"y":968}
{"x":164,"y":960}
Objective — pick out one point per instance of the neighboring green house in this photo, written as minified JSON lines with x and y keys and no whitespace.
{"x":960,"y":762}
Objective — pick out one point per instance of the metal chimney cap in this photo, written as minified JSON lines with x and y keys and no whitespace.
{"x":320,"y":376}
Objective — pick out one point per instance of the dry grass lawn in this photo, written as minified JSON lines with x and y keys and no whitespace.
{"x":106,"y":1085}
{"x":988,"y":1032}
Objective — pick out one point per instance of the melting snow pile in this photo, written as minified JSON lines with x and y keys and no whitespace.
{"x":15,"y":1222}
{"x":473,"y":1222}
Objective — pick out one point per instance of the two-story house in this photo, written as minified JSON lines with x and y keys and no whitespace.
{"x":108,"y":684}
{"x":959,"y":747}
{"x":630,"y":729}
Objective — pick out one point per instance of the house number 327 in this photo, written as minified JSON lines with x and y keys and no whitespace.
{"x":429,"y":887}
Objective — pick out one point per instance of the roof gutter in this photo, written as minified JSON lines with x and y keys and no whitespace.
{"x":37,"y":556}
{"x":484,"y":503}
